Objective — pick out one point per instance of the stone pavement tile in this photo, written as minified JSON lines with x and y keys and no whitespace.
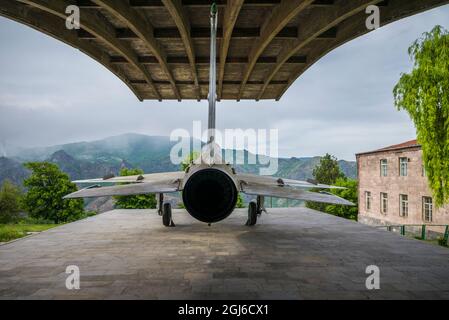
{"x":95,"y":284}
{"x":393,"y":295}
{"x":280,"y":295}
{"x":430,"y":295}
{"x":344,"y":295}
{"x":293,"y":253}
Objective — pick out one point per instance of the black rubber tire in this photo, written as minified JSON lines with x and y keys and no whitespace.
{"x":252,"y":214}
{"x":166,"y":215}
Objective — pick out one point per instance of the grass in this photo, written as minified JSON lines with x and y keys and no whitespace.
{"x":439,"y":241}
{"x":10,"y":232}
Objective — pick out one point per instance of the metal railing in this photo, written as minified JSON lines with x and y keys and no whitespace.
{"x":424,"y":229}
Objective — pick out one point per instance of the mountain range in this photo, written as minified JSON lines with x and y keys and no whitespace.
{"x":84,"y":160}
{"x":150,"y":153}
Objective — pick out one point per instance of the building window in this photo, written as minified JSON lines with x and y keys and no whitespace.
{"x":403,"y":167}
{"x":367,"y":200}
{"x":427,"y":208}
{"x":384,"y":203}
{"x":403,"y":205}
{"x":383,"y":168}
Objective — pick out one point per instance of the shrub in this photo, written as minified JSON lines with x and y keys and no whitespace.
{"x":143,"y":201}
{"x":47,"y":186}
{"x":10,"y":196}
{"x":240,"y":202}
{"x":9,"y":234}
{"x":442,"y":242}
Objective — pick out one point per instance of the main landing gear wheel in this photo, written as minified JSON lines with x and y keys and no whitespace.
{"x":252,"y":214}
{"x":167,"y":215}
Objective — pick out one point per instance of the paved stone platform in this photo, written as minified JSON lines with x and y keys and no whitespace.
{"x":291,"y":254}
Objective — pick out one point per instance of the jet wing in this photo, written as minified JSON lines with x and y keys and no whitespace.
{"x":292,"y":193}
{"x":273,"y":181}
{"x":152,"y":177}
{"x":162,"y":186}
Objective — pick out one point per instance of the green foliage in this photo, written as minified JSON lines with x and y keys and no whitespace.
{"x":326,"y":172}
{"x":10,"y":197}
{"x":142,"y":201}
{"x":350,"y":194}
{"x":424,"y":94}
{"x":316,"y":205}
{"x":442,"y":242}
{"x":7,"y":234}
{"x":189,"y":160}
{"x":125,"y":172}
{"x":240,"y":203}
{"x":10,"y":232}
{"x":47,"y":186}
{"x":30,"y":221}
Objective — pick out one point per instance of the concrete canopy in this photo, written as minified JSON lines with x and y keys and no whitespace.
{"x":160,"y":48}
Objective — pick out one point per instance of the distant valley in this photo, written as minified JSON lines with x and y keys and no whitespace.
{"x":151,"y":153}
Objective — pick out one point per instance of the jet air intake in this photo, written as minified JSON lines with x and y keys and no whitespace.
{"x":210,"y":195}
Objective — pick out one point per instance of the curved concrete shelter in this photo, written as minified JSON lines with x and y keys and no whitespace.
{"x":160,"y":48}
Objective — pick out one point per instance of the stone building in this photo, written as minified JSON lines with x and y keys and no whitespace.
{"x":393,"y":188}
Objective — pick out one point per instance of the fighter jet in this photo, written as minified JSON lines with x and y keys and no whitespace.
{"x":209,"y":186}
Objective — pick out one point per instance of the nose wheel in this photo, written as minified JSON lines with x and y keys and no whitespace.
{"x":167,"y":215}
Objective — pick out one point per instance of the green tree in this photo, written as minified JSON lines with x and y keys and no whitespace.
{"x":240,"y":202}
{"x":47,"y":186}
{"x":326,"y":172}
{"x":424,"y":94}
{"x":189,"y":160}
{"x":350,"y":194}
{"x":141,"y":201}
{"x":10,"y":196}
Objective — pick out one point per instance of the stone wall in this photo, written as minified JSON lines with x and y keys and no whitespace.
{"x":414,"y":185}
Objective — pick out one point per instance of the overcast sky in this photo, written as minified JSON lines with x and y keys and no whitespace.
{"x":51,"y":93}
